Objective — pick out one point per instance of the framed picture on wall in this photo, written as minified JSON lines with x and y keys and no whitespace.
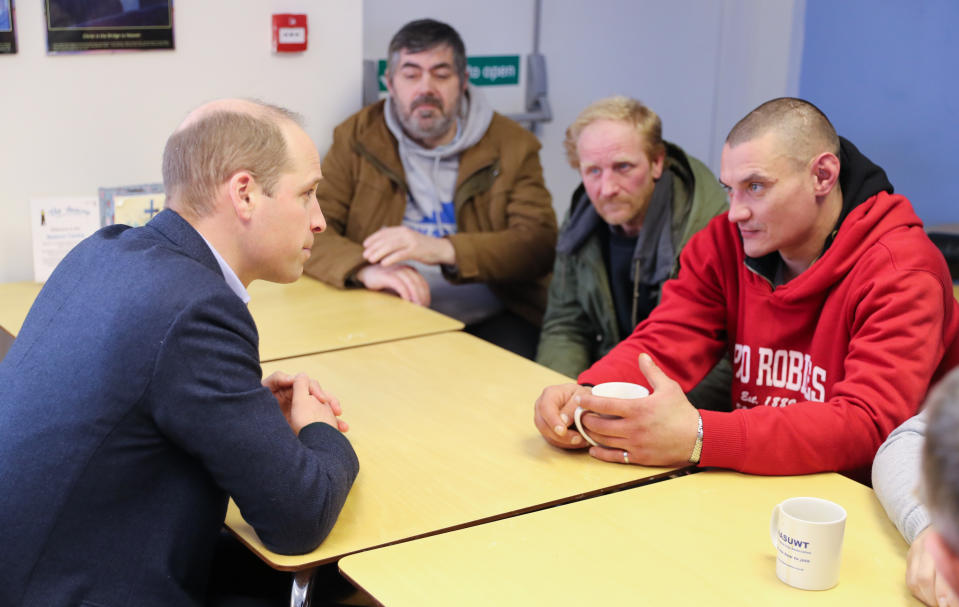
{"x":108,"y":25}
{"x":8,"y":31}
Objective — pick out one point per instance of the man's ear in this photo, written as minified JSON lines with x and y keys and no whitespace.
{"x":243,"y":191}
{"x":946,"y":559}
{"x":656,"y":166}
{"x":388,"y":82}
{"x":825,"y":173}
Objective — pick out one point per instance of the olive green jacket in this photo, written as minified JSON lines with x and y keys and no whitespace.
{"x":580,"y":324}
{"x":506,"y":226}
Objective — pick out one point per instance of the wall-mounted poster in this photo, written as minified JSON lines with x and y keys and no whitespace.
{"x":108,"y":25}
{"x":57,"y":225}
{"x":8,"y":32}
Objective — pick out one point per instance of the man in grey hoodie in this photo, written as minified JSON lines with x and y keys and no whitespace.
{"x":435,"y":197}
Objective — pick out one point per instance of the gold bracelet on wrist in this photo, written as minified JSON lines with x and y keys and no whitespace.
{"x":698,"y":447}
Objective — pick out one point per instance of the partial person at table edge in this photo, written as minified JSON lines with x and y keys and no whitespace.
{"x":431,"y":195}
{"x":896,"y":475}
{"x":133,"y":404}
{"x":640,"y":200}
{"x":821,"y":285}
{"x":940,"y":482}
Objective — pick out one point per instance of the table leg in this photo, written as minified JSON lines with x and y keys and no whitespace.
{"x":302,"y":587}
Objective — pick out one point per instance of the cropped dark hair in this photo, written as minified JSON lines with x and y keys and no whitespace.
{"x":803,"y":128}
{"x":423,"y":35}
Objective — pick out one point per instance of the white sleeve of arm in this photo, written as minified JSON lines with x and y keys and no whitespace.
{"x":895,"y":476}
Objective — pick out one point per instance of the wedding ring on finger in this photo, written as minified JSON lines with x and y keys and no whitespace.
{"x":625,"y":457}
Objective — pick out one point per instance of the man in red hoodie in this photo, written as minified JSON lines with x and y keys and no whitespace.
{"x":835,"y":307}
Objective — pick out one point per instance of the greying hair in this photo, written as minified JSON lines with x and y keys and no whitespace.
{"x":204,"y":153}
{"x":423,"y":35}
{"x":940,"y":458}
{"x":803,"y":128}
{"x":624,"y":109}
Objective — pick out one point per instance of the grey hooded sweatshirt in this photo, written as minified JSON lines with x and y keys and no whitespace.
{"x":431,"y":178}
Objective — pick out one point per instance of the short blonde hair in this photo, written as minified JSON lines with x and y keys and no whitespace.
{"x":631,"y":111}
{"x":202,"y":155}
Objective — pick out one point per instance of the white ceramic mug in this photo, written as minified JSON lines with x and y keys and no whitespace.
{"x":807,"y":535}
{"x":612,"y":389}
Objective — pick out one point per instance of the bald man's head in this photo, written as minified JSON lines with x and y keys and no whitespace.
{"x":802,"y":129}
{"x":218,"y":139}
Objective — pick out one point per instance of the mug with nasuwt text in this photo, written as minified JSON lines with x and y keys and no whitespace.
{"x":611,"y":389}
{"x":807,"y":534}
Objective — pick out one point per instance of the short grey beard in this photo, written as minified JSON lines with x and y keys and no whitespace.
{"x":440,"y":128}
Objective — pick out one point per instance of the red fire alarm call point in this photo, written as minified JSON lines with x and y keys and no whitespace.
{"x":289,"y":33}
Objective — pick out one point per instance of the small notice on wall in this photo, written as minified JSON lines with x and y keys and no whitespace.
{"x":57,"y":225}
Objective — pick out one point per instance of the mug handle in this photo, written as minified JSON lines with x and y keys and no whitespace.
{"x":774,"y":524}
{"x":577,"y":420}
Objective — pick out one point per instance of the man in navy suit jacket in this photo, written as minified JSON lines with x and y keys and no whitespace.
{"x":131,"y":403}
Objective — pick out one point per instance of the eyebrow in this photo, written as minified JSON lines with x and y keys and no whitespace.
{"x":748,"y":179}
{"x":443,"y":65}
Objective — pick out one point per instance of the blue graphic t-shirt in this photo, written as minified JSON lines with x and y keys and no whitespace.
{"x":437,"y":224}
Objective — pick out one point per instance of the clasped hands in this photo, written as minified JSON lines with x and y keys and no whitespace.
{"x":387,"y":248}
{"x":302,"y":401}
{"x":658,"y":430}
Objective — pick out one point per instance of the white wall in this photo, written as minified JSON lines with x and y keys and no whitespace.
{"x":701,"y":64}
{"x":759,"y":59}
{"x":72,"y":123}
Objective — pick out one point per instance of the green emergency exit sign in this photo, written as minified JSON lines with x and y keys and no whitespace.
{"x":490,"y":70}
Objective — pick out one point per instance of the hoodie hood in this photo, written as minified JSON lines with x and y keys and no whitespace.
{"x":859,"y":180}
{"x":472,"y":120}
{"x":859,"y":177}
{"x":581,"y":221}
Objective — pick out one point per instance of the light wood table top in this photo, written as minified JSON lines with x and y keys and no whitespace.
{"x":15,"y":301}
{"x":443,"y":427}
{"x":308,"y":316}
{"x":303,"y":317}
{"x":701,"y":539}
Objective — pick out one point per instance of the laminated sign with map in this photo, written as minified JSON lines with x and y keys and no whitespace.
{"x":131,"y":205}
